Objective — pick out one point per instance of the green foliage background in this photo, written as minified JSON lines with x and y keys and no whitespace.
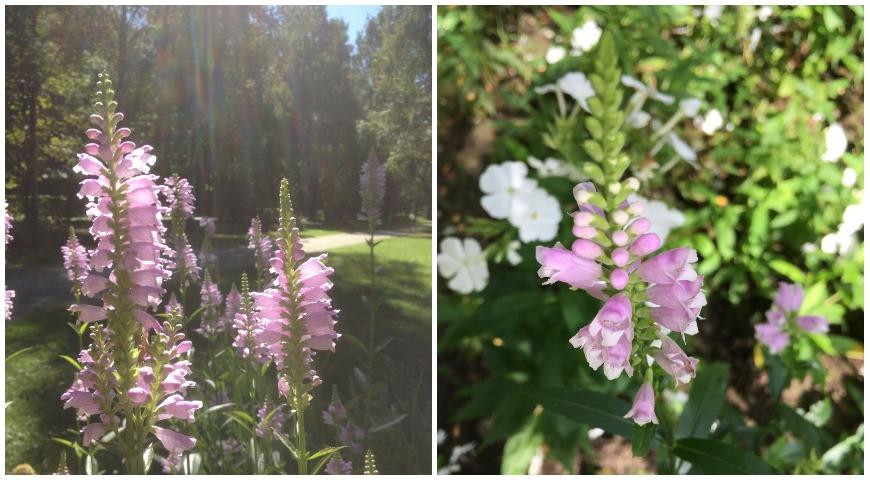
{"x":760,"y":195}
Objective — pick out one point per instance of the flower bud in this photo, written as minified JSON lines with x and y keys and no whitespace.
{"x":584,"y":232}
{"x":586,"y":248}
{"x":581,"y":219}
{"x":96,"y":119}
{"x":619,"y":217}
{"x":93,"y":133}
{"x":92,"y":149}
{"x":619,"y":256}
{"x":618,"y":279}
{"x":645,"y":244}
{"x":123,"y":132}
{"x":632,"y":183}
{"x":128,"y":147}
{"x":620,"y":238}
{"x":636,"y":208}
{"x":639,"y":226}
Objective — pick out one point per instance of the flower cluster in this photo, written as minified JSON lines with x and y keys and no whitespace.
{"x":9,"y":294}
{"x":245,"y":323}
{"x":180,"y":200}
{"x":349,"y":433}
{"x":271,"y":419}
{"x":295,"y":318}
{"x":262,"y":246}
{"x":510,"y":194}
{"x":372,"y":184}
{"x":75,"y":261}
{"x":210,"y":300}
{"x":783,"y":322}
{"x":132,"y":368}
{"x":644,"y":298}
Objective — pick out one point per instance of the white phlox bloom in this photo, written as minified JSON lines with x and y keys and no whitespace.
{"x":585,"y":37}
{"x":539,"y":217}
{"x":463,"y":263}
{"x":503,"y":184}
{"x":555,"y":54}
{"x":574,"y":84}
{"x":554,"y":167}
{"x":512,"y":254}
{"x":712,"y":122}
{"x":836,"y":143}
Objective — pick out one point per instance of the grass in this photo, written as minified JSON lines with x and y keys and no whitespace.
{"x":36,"y":378}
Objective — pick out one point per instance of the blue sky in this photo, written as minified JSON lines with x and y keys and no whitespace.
{"x":354,"y":16}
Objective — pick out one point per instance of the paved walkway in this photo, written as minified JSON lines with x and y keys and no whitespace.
{"x":328,"y":242}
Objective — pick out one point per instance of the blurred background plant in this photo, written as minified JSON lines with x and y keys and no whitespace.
{"x":745,"y":129}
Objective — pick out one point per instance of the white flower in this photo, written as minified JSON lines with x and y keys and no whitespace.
{"x":512,"y":254}
{"x":835,"y":143}
{"x":464,"y":264}
{"x":754,"y":38}
{"x":713,"y":12}
{"x":555,"y":54}
{"x":644,"y":91}
{"x":764,"y":13}
{"x":539,"y":218}
{"x":662,"y":218}
{"x":638,"y":119}
{"x":683,"y":149}
{"x":690,"y":106}
{"x":578,"y":86}
{"x":853,"y":218}
{"x":553,"y":167}
{"x":502,"y":185}
{"x":585,"y":37}
{"x":574,"y":84}
{"x":849,"y":177}
{"x":712,"y":122}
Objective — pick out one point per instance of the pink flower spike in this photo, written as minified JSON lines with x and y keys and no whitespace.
{"x":643,"y":410}
{"x":645,"y":244}
{"x":813,"y":323}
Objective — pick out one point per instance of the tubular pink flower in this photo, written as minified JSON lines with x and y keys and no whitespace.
{"x":173,"y":441}
{"x":643,"y":410}
{"x":559,"y":264}
{"x":179,"y":196}
{"x":175,"y":406}
{"x":615,"y":359}
{"x":678,"y":305}
{"x":674,"y":361}
{"x":645,"y":244}
{"x":789,"y":297}
{"x":75,"y":261}
{"x":670,"y":267}
{"x":92,"y":432}
{"x":813,"y":323}
{"x":613,"y":321}
{"x":772,"y":335}
{"x":262,"y":246}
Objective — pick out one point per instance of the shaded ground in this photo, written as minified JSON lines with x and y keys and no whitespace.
{"x":36,"y":378}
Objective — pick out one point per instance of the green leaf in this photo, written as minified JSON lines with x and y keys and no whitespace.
{"x":585,"y":406}
{"x":705,"y":401}
{"x":325,"y":451}
{"x":215,"y":408}
{"x":19,"y":352}
{"x":715,"y":458}
{"x":726,"y":239}
{"x":387,"y":423}
{"x":642,"y":438}
{"x":808,"y":433}
{"x":286,"y":442}
{"x":789,"y":270}
{"x":520,"y":448}
{"x":71,"y":361}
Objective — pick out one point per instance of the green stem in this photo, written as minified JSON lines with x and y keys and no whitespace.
{"x":301,"y":450}
{"x":371,"y":350}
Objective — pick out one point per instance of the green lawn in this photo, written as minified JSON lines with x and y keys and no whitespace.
{"x":36,"y":378}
